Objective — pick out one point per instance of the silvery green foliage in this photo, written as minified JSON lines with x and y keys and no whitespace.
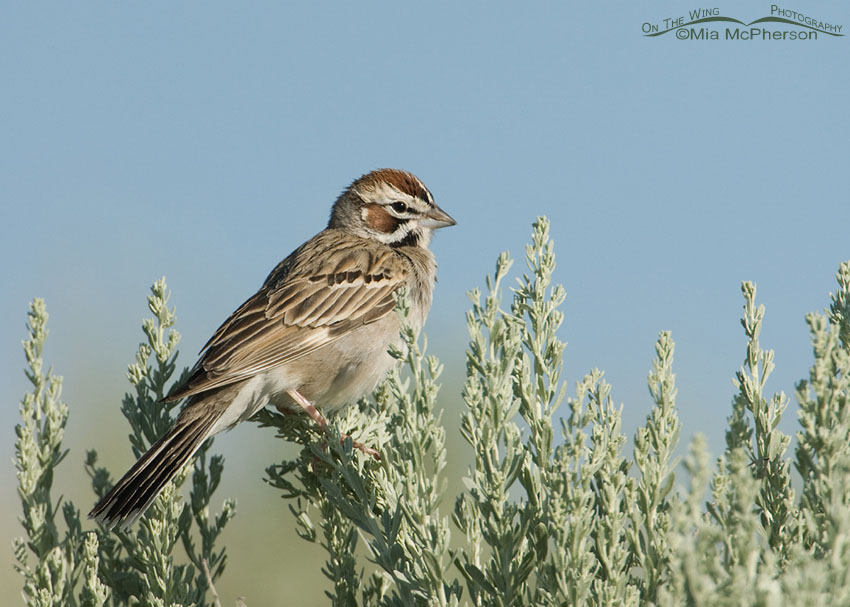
{"x":530,"y":518}
{"x":758,"y":545}
{"x":775,"y":500}
{"x":65,"y":564}
{"x":138,"y":563}
{"x":553,"y":512}
{"x":650,"y":508}
{"x":823,"y":442}
{"x":545,"y":546}
{"x":578,"y":524}
{"x":134,"y":567}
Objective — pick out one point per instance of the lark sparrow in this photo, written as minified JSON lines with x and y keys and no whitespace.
{"x":316,"y":333}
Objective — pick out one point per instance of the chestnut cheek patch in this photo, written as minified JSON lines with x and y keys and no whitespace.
{"x":380,"y":220}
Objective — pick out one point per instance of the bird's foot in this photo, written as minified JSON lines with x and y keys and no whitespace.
{"x":311,"y":410}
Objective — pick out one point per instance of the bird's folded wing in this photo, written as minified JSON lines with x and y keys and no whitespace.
{"x":315,"y":301}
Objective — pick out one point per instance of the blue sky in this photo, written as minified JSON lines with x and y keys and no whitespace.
{"x":205,"y":141}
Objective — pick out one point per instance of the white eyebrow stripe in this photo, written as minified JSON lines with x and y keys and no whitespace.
{"x":430,"y":197}
{"x":390,"y":193}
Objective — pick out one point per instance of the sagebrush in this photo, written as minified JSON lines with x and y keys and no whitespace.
{"x":554,"y":510}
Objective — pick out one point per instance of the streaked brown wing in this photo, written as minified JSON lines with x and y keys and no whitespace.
{"x":329,"y":286}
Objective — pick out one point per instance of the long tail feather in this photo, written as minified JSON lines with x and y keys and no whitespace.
{"x":137,"y":489}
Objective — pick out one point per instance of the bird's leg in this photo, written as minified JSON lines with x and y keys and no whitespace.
{"x":309,"y":408}
{"x":323,"y":423}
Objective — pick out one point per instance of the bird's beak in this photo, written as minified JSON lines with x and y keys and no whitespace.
{"x":437,"y":218}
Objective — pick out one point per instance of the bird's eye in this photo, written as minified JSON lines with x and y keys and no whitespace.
{"x":399,"y":206}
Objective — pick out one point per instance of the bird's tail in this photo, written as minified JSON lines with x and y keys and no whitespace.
{"x":132,"y":495}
